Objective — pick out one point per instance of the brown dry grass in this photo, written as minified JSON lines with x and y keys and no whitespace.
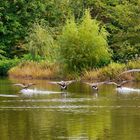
{"x":43,"y":70}
{"x":35,"y":70}
{"x":112,"y":71}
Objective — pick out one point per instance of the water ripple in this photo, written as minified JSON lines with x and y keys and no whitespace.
{"x":128,"y":90}
{"x":6,"y":95}
{"x":53,"y":100}
{"x":65,"y":107}
{"x":36,"y":91}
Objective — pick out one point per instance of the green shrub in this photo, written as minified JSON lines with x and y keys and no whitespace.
{"x":29,"y":57}
{"x":5,"y":65}
{"x":84,"y":46}
{"x":41,"y":43}
{"x":134,"y":64}
{"x":112,"y":70}
{"x":109,"y":72}
{"x":2,"y":54}
{"x":125,"y":52}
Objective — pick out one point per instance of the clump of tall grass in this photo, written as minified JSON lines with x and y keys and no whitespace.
{"x":35,"y":70}
{"x":113,"y":71}
{"x":109,"y":72}
{"x":134,"y":64}
{"x":44,"y":70}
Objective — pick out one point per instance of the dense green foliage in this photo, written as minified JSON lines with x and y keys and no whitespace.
{"x":5,"y":65}
{"x":17,"y":17}
{"x":123,"y":23}
{"x":41,"y":43}
{"x":125,"y":39}
{"x":23,"y":35}
{"x":84,"y":46}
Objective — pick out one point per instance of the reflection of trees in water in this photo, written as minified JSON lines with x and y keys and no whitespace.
{"x":15,"y":125}
{"x":37,"y":124}
{"x":5,"y":86}
{"x":125,"y":121}
{"x":91,"y":126}
{"x":64,"y":119}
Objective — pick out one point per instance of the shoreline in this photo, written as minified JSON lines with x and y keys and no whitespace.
{"x":33,"y":70}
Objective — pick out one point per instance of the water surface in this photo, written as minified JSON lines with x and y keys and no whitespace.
{"x":43,"y":112}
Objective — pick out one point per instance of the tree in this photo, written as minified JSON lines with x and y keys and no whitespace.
{"x":41,"y":43}
{"x":17,"y":17}
{"x":85,"y":45}
{"x":125,"y":38}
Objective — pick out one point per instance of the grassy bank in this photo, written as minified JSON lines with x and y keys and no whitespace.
{"x":34,"y":70}
{"x":113,"y":71}
{"x":106,"y":73}
{"x":42,"y":70}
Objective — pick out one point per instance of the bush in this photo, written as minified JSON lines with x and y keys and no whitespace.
{"x":135,"y":64}
{"x":84,"y":46}
{"x":125,"y":53}
{"x":109,"y":72}
{"x":41,"y":43}
{"x":29,"y":57}
{"x":5,"y":65}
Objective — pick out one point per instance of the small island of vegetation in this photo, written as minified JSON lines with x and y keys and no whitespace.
{"x":92,"y":40}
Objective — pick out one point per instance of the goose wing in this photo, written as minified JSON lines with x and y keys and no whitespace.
{"x":69,"y":82}
{"x":20,"y":85}
{"x":61,"y":83}
{"x":124,"y":82}
{"x":88,"y":83}
{"x":129,"y":71}
{"x":30,"y":84}
{"x":95,"y":84}
{"x":112,"y":83}
{"x":54,"y":82}
{"x":24,"y":85}
{"x":100,"y":83}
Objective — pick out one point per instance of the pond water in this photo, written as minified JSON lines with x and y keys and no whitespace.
{"x":43,"y":112}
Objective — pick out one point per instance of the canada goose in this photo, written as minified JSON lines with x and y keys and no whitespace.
{"x":118,"y":85}
{"x":25,"y":86}
{"x":63,"y":84}
{"x":95,"y":85}
{"x":129,"y":71}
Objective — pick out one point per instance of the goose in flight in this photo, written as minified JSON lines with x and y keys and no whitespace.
{"x":120,"y":84}
{"x":63,"y":84}
{"x":95,"y":85}
{"x":129,"y":71}
{"x":25,"y":86}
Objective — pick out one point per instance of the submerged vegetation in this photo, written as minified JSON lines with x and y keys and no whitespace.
{"x":66,"y":39}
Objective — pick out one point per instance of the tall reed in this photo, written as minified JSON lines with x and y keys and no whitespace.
{"x":35,"y":70}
